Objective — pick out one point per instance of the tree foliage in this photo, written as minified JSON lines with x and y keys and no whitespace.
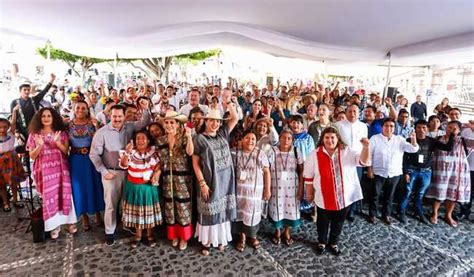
{"x":158,"y":66}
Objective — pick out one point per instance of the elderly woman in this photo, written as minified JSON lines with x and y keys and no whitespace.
{"x":451,"y":181}
{"x":267,"y":136}
{"x":286,"y":168}
{"x":174,"y":150}
{"x":48,"y":145}
{"x":331,"y":178}
{"x":212,"y":163}
{"x":252,"y":185}
{"x":140,"y":203}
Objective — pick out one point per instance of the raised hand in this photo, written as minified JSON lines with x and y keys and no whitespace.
{"x":129,"y":148}
{"x":57,"y":137}
{"x":365,"y":142}
{"x":39,"y":140}
{"x":53,"y":77}
{"x":188,"y":132}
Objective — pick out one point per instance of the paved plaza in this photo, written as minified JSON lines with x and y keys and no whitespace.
{"x":409,"y":250}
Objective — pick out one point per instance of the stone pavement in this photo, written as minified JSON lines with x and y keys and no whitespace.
{"x":411,"y":249}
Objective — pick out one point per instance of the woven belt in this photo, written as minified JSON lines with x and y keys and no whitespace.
{"x":80,"y":151}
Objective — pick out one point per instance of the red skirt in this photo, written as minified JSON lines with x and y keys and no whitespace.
{"x":177,"y":231}
{"x":11,"y":169}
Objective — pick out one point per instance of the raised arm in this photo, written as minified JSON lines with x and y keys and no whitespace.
{"x":37,"y":98}
{"x":234,"y":117}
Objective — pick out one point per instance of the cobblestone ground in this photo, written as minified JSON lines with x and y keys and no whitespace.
{"x":409,"y":250}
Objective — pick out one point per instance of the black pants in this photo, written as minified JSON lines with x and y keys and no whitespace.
{"x":386,"y":187}
{"x":330,"y":219}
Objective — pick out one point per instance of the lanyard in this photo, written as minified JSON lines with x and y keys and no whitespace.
{"x":284,"y":165}
{"x":248,"y":160}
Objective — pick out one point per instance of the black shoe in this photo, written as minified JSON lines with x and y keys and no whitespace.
{"x":109,"y":240}
{"x":387,"y":220}
{"x":423,"y":219}
{"x":350,"y":218}
{"x":335,"y":250}
{"x":403,"y":218}
{"x":320,"y":249}
{"x":371,"y":219}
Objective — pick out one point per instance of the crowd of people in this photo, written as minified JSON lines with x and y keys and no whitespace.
{"x":213,"y":161}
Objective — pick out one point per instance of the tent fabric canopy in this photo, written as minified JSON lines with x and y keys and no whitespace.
{"x":416,"y":32}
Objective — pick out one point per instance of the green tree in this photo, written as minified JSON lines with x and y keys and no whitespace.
{"x":158,"y":66}
{"x":70,"y":59}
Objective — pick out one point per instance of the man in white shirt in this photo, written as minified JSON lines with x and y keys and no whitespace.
{"x":386,"y":153}
{"x":352,"y":130}
{"x":193,"y":101}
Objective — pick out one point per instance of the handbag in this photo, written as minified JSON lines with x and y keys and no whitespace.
{"x":37,"y":226}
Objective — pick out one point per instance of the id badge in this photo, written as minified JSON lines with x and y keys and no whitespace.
{"x":285,"y":175}
{"x":243,"y":175}
{"x":420,"y":159}
{"x":280,"y":123}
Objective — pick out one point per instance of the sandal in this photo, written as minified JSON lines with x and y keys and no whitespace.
{"x":255,"y":243}
{"x":54,"y":234}
{"x":86,"y":227}
{"x":241,"y":244}
{"x":205,"y":250}
{"x":276,"y":240}
{"x":151,"y":242}
{"x":135,"y":242}
{"x":7,"y":208}
{"x":72,"y":229}
{"x":433,"y":220}
{"x":183,"y":245}
{"x":288,"y":241}
{"x":174,"y":242}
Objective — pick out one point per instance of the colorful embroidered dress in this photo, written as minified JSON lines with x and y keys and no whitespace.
{"x":284,"y":207}
{"x":214,"y":216}
{"x":140,"y":201}
{"x":87,"y":189}
{"x":177,"y":188}
{"x":53,"y":182}
{"x":451,"y":177}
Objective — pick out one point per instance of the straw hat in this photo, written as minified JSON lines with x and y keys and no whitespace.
{"x":170,"y":114}
{"x":214,"y":114}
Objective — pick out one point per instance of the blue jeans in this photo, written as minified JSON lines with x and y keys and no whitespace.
{"x":423,"y":176}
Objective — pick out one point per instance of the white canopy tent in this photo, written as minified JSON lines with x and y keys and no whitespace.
{"x":416,"y":32}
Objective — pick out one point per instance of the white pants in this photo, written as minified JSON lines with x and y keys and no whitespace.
{"x":112,"y":195}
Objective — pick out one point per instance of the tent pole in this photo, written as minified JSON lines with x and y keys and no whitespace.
{"x":48,"y":52}
{"x":387,"y":80}
{"x":115,"y":70}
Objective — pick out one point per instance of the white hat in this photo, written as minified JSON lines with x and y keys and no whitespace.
{"x":214,"y":114}
{"x":170,"y":114}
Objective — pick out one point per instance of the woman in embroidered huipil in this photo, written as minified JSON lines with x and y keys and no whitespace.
{"x":451,"y":180}
{"x":48,"y":145}
{"x":252,"y":185}
{"x":87,"y":189}
{"x":286,"y":167}
{"x":331,"y":181}
{"x":175,"y":149}
{"x":212,"y":163}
